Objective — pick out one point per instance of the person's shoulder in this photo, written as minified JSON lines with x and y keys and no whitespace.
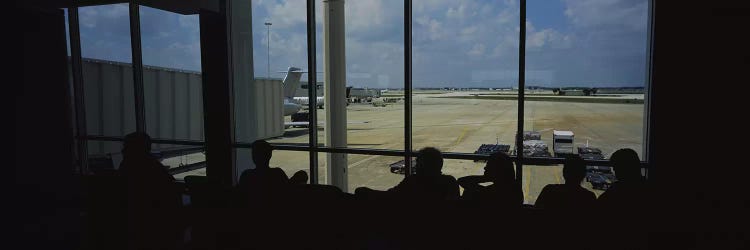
{"x":553,"y":187}
{"x":278,"y":172}
{"x":587,"y":193}
{"x":448,"y":178}
{"x":248,"y":172}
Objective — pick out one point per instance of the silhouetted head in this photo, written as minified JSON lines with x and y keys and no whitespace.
{"x":626,"y":164}
{"x":262,"y":152}
{"x":429,"y":161}
{"x":136,"y":144}
{"x":500,"y":168}
{"x":574,"y":170}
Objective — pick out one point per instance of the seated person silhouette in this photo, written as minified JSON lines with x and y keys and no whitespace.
{"x":153,"y":197}
{"x":428,"y":183}
{"x":429,"y":180}
{"x":568,"y":196}
{"x":504,"y":190}
{"x":628,"y":192}
{"x":264,"y":177}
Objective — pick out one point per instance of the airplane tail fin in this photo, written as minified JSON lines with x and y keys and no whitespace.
{"x":291,"y":81}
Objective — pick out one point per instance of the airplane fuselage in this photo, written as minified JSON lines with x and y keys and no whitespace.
{"x":304,"y":101}
{"x":291,"y":108}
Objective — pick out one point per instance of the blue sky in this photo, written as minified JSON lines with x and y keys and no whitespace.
{"x":468,"y":43}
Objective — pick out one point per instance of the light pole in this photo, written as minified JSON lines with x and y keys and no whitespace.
{"x":268,"y":47}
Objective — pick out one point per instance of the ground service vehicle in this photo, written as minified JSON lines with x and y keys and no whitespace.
{"x":600,"y":177}
{"x":562,"y":143}
{"x":533,"y":146}
{"x":488,"y":149}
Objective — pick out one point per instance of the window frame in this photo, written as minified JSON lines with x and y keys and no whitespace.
{"x":314,"y":147}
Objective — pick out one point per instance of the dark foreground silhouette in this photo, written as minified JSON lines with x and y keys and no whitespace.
{"x":504,"y":190}
{"x":267,"y":210}
{"x":153,"y":199}
{"x":569,"y":196}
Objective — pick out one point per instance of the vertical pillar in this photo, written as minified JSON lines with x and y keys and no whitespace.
{"x":247,"y":115}
{"x":217,"y":93}
{"x":335,"y":90}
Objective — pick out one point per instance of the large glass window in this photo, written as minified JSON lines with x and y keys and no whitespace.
{"x":585,"y":82}
{"x":107,"y":70}
{"x":276,"y":94}
{"x":374,"y":64}
{"x":172,"y":79}
{"x":586,"y":73}
{"x":465,"y":78}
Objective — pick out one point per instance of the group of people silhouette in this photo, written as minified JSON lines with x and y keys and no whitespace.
{"x":154,"y":201}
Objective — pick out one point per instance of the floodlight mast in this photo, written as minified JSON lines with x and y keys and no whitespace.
{"x":268,"y":47}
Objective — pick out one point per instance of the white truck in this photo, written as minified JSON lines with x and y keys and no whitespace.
{"x":562,"y":142}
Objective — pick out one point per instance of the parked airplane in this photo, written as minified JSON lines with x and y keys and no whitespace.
{"x":293,"y":104}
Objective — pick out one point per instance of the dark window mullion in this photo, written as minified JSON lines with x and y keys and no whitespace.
{"x":135,"y":43}
{"x":407,"y":86}
{"x":521,"y":88}
{"x":312,"y":95}
{"x":80,"y":109}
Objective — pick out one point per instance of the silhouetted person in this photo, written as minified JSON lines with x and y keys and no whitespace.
{"x":428,"y":182}
{"x":300,"y":177}
{"x":568,"y":196}
{"x":504,"y":190}
{"x":262,"y":178}
{"x":628,"y":192}
{"x":153,"y":198}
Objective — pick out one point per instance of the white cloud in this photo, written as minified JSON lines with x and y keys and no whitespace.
{"x":452,"y":39}
{"x":89,"y":17}
{"x":597,"y":13}
{"x":477,"y":50}
{"x":289,"y":13}
{"x":547,"y":38}
{"x":189,"y":22}
{"x":433,"y":27}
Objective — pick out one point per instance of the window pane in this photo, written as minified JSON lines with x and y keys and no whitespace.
{"x":374,"y":63}
{"x":465,"y":57}
{"x":270,"y":91}
{"x":172,"y":77}
{"x":585,"y":73}
{"x":107,"y":70}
